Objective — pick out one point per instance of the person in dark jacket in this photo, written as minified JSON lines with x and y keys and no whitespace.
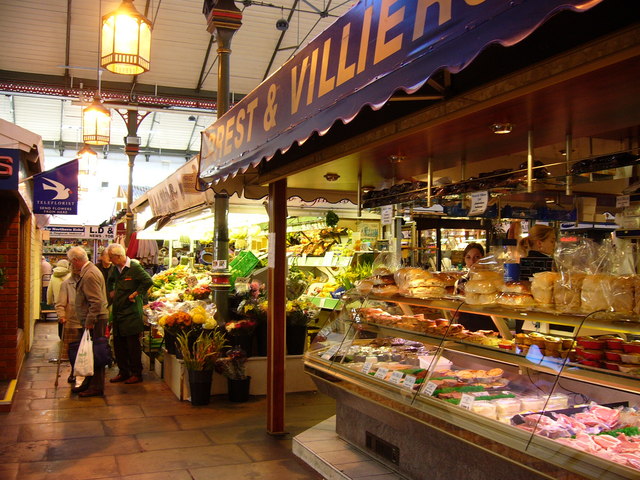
{"x":127,"y":285}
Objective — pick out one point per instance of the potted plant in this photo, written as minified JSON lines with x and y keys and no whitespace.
{"x":199,"y":357}
{"x":299,"y":313}
{"x":234,"y":367}
{"x":240,"y":333}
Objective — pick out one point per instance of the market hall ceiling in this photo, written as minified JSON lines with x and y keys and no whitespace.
{"x":50,"y":48}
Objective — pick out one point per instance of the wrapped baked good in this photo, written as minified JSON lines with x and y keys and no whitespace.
{"x":512,"y":299}
{"x":384,"y":290}
{"x":516,"y":287}
{"x":364,"y":286}
{"x":566,"y":292}
{"x":480,"y":298}
{"x":542,"y":287}
{"x":484,"y":282}
{"x":607,"y":292}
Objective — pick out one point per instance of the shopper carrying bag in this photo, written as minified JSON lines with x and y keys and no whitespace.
{"x":84,"y":359}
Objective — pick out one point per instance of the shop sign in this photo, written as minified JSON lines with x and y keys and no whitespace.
{"x":374,"y":50}
{"x":9,"y":167}
{"x":93,"y":232}
{"x":177,"y":192}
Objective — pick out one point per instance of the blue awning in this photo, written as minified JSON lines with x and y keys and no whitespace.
{"x":378,"y":48}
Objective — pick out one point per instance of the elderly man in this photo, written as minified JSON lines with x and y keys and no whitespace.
{"x":127,"y":285}
{"x":91,"y":310}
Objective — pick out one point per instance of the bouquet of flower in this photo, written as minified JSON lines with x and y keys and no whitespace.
{"x":240,"y":327}
{"x":254,"y":306}
{"x":301,"y":312}
{"x":233,"y":366}
{"x":189,"y":316}
{"x":202,"y":353}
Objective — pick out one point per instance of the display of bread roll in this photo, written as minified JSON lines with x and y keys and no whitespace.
{"x":484,"y":282}
{"x":542,"y":287}
{"x":566,"y":292}
{"x":512,"y":299}
{"x":480,"y":298}
{"x":607,"y":292}
{"x":516,"y":287}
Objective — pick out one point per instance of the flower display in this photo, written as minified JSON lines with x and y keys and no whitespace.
{"x":301,"y":312}
{"x":254,"y":305}
{"x":240,"y":327}
{"x":233,"y":366}
{"x":194,"y":315}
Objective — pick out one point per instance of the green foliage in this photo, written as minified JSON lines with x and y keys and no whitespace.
{"x":332,"y":219}
{"x":202,"y":353}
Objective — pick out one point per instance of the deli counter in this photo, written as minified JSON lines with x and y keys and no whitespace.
{"x":430,"y":402}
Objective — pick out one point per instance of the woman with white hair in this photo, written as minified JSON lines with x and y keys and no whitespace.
{"x":60,"y":273}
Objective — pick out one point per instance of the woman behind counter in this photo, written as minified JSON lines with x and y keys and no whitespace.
{"x":472,"y":321}
{"x":540,"y":243}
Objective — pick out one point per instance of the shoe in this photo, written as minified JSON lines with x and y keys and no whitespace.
{"x":119,"y":378}
{"x":91,"y":392}
{"x":133,"y":379}
{"x":80,"y":388}
{"x":71,"y":378}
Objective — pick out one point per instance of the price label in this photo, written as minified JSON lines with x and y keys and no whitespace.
{"x":466,"y":401}
{"x":381,"y":373}
{"x":396,"y":377}
{"x":479,"y":202}
{"x":386,"y":215}
{"x":429,"y":388}
{"x":366,"y":367}
{"x":330,"y":353}
{"x":409,"y":382}
{"x":622,"y":201}
{"x":328,"y":259}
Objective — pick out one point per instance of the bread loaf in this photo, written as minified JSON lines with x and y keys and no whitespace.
{"x":542,"y":287}
{"x":566,"y":292}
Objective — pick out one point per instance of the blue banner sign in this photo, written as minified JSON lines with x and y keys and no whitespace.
{"x":9,"y":168}
{"x":374,"y":50}
{"x":55,"y":192}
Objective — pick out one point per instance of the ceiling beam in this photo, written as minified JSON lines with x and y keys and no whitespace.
{"x":119,"y":149}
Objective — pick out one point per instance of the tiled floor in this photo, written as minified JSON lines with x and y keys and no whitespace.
{"x":142,"y":432}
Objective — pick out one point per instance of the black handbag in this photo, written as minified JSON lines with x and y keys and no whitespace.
{"x":102,"y":355}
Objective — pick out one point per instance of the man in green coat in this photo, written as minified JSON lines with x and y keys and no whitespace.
{"x":127,"y":285}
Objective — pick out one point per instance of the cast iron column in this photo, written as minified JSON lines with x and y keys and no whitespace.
{"x":131,"y":147}
{"x":223,"y":20}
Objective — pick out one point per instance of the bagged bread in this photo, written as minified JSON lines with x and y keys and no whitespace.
{"x":567,"y":291}
{"x":484,"y":282}
{"x":518,"y":300}
{"x":607,"y":292}
{"x":542,"y":287}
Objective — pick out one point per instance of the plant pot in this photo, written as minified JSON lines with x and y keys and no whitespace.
{"x":170,"y":343}
{"x":238,"y":389}
{"x":296,"y":339}
{"x":200,"y":385}
{"x":261,"y":339}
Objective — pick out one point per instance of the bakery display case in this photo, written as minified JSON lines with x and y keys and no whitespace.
{"x":417,"y":392}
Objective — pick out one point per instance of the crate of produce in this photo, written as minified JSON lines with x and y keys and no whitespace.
{"x":242,"y":265}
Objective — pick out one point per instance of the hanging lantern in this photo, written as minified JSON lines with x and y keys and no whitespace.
{"x":96,"y":123}
{"x":87,"y":158}
{"x":126,"y":40}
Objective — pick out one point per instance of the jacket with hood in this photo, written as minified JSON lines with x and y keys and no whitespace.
{"x":60,"y":273}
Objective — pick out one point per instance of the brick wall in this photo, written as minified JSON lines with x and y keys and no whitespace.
{"x":9,"y":256}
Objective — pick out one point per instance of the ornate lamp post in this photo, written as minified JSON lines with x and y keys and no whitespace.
{"x":223,"y":20}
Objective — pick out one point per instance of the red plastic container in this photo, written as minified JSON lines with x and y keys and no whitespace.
{"x":591,"y":343}
{"x":612,"y":355}
{"x":591,"y":354}
{"x":612,"y":366}
{"x":631,"y":347}
{"x":614,"y":343}
{"x":590,"y":363}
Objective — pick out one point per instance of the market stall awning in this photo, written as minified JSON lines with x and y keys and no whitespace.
{"x":378,"y":48}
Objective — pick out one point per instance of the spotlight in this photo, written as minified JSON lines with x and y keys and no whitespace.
{"x":501,"y":128}
{"x":192,"y":118}
{"x":331,"y":177}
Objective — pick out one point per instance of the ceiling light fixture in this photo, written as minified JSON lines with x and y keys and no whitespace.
{"x":96,"y":123}
{"x":368,"y":188}
{"x":331,"y":177}
{"x":126,"y":40}
{"x":501,"y":128}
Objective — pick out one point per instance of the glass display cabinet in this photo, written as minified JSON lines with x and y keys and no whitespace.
{"x":430,"y":399}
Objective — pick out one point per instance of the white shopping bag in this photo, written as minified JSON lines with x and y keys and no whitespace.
{"x":84,"y":360}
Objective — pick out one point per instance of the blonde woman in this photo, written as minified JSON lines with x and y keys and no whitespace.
{"x":541,"y":242}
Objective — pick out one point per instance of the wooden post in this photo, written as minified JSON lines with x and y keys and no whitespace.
{"x":277,"y":304}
